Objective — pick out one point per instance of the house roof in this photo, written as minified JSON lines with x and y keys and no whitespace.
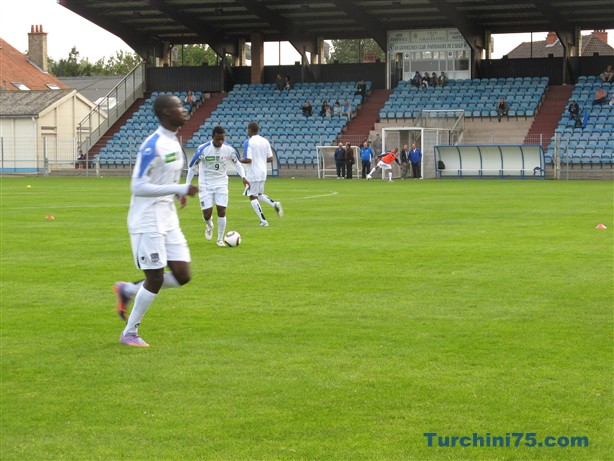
{"x":539,"y":49}
{"x":592,"y":44}
{"x":92,"y":87}
{"x":17,"y":67}
{"x":29,"y":103}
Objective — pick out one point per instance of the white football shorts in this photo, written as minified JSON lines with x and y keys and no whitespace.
{"x":384,"y":166}
{"x":256,"y":188}
{"x":153,"y":250}
{"x":217,"y":196}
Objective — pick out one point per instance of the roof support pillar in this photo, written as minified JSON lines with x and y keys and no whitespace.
{"x":239,"y":59}
{"x":570,"y":40}
{"x":257,"y":68}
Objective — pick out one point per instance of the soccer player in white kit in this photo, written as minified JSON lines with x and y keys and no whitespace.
{"x":210,"y":161}
{"x":257,"y":154}
{"x":156,"y":238}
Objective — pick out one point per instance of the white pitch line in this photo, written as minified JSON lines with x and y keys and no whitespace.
{"x":307,"y":197}
{"x":125,"y":205}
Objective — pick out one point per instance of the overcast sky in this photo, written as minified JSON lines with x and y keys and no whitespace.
{"x":67,"y":30}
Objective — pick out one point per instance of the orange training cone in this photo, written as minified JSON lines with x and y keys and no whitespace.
{"x":601,"y":226}
{"x":50,"y":217}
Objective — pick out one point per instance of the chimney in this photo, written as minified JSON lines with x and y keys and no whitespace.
{"x":37,"y":47}
{"x":551,"y":38}
{"x":601,"y":34}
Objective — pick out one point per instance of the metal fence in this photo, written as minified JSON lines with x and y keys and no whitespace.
{"x":53,"y":155}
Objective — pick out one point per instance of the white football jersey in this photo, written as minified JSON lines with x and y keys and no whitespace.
{"x":211,"y":163}
{"x":158,"y":166}
{"x":259,"y":150}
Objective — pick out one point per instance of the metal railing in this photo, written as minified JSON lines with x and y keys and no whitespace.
{"x":111,"y":108}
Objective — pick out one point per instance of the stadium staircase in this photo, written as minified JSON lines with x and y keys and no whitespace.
{"x":202,"y":113}
{"x":121,"y":121}
{"x":360,"y":126}
{"x":549,"y":114}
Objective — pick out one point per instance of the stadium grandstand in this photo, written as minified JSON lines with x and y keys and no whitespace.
{"x":449,"y":36}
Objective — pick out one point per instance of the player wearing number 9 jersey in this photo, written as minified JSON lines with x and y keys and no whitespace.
{"x":211,"y":162}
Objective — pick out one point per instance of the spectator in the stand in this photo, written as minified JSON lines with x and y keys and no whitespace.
{"x":325,"y":109}
{"x":502,"y":108}
{"x":443,"y":79}
{"x":416,"y":80}
{"x":336,"y":109}
{"x":601,"y":97}
{"x":280,"y":82}
{"x":366,"y":154}
{"x":361,"y":89}
{"x":612,"y":100}
{"x":307,"y":109}
{"x":288,"y":84}
{"x":433,"y":80}
{"x":574,"y":110}
{"x":346,"y":109}
{"x":350,"y":159}
{"x":340,"y":161}
{"x":607,"y":75}
{"x":426,"y":81}
{"x":191,"y":100}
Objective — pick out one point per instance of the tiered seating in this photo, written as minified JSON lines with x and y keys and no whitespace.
{"x":592,"y":144}
{"x":280,"y":117}
{"x":477,"y":97}
{"x":121,"y":150}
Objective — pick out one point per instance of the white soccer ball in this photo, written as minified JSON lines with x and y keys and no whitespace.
{"x":232,"y":239}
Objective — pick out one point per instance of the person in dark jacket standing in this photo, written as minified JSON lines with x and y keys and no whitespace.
{"x":415,"y":157}
{"x":340,"y":161}
{"x":350,"y":159}
{"x":404,"y":161}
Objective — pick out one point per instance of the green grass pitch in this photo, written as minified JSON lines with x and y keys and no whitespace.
{"x":371,"y":314}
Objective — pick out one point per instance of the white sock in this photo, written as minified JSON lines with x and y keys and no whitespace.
{"x":170,"y":281}
{"x":266,"y":199}
{"x":132,"y":288}
{"x":208,"y":222}
{"x":142,"y":301}
{"x":372,"y":171}
{"x":390,"y":176}
{"x":221,"y":227}
{"x":258,"y":210}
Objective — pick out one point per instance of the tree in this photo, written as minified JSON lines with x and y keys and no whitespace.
{"x":353,"y":51}
{"x":120,"y":64}
{"x":66,"y":67}
{"x":196,"y":55}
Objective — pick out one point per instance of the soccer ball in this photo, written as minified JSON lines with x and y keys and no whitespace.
{"x":232,"y":239}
